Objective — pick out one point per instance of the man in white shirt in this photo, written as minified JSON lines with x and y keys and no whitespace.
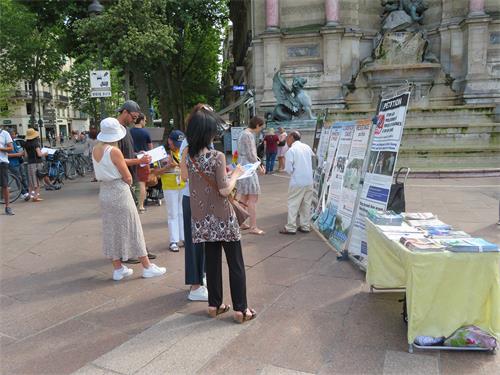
{"x":5,"y":147}
{"x":298,"y":164}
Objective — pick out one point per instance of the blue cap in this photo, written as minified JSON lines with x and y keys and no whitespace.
{"x":177,"y":137}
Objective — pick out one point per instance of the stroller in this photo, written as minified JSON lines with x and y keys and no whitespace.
{"x":154,"y":194}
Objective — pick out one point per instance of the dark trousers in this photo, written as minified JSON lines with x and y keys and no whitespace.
{"x":194,"y":254}
{"x":237,"y":278}
{"x":18,"y":171}
{"x":270,"y":159}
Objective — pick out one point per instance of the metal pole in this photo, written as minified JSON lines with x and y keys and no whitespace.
{"x":103,"y":108}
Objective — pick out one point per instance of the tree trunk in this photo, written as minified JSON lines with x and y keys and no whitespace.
{"x":163,"y":104}
{"x":141,"y":90}
{"x":33,"y":103}
{"x":126,"y":82}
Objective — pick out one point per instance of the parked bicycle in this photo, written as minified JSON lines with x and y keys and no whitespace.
{"x":15,"y":188}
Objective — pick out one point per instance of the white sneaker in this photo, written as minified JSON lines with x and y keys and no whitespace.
{"x":200,"y":294}
{"x":153,"y":271}
{"x":121,"y":273}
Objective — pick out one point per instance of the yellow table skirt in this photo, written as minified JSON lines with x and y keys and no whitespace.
{"x":444,"y":290}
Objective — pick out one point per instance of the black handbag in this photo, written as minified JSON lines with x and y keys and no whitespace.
{"x":396,"y":201}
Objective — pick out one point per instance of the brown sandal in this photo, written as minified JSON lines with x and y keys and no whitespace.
{"x":220,"y":310}
{"x":244,"y":317}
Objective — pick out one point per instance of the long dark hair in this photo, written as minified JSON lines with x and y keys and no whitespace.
{"x":201,"y":129}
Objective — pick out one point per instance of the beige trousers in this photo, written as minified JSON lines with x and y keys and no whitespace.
{"x":299,"y":204}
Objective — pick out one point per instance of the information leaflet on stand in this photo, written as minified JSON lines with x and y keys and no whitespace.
{"x":326,"y":221}
{"x":381,"y":162}
{"x":350,"y":184}
{"x":318,"y":172}
{"x":323,"y":173}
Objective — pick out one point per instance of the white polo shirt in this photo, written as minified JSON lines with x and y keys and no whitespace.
{"x":298,"y":164}
{"x":5,"y":139}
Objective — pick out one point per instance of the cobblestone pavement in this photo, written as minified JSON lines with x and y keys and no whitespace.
{"x":61,"y":312}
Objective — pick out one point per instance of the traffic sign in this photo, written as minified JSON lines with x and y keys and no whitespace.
{"x":100,"y":83}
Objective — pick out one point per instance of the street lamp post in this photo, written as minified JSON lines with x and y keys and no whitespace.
{"x":94,"y":10}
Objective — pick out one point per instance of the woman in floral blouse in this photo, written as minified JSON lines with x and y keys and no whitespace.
{"x":212,"y":216}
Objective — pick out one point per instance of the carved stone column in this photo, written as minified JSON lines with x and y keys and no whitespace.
{"x":272,"y":15}
{"x":476,"y":8}
{"x":332,"y":12}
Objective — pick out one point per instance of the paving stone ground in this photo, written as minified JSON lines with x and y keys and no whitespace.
{"x":61,"y":313}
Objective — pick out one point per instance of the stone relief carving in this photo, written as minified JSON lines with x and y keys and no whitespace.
{"x":303,"y":51}
{"x":293,"y":102}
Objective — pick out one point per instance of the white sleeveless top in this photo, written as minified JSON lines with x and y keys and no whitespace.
{"x":104,"y":169}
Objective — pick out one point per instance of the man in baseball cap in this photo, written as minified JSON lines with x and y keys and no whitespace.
{"x":129,"y":112}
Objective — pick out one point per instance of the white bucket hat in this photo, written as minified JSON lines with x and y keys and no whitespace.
{"x":111,"y":130}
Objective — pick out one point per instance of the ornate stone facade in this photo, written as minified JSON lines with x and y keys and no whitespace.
{"x":328,"y":42}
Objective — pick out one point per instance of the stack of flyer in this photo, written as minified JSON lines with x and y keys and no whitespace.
{"x":418,"y":215}
{"x":385,"y":217}
{"x":421,"y":244}
{"x":468,"y":245}
{"x":449,"y":235}
{"x":431,"y":225}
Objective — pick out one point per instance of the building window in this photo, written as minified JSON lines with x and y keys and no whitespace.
{"x":28,"y":108}
{"x":28,"y":87}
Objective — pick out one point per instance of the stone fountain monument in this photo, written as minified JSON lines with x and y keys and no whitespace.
{"x":400,"y":55}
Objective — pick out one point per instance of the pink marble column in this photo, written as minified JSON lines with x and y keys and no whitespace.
{"x":476,"y":7}
{"x":332,"y":11}
{"x":272,"y":14}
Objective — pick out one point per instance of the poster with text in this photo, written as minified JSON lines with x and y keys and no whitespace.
{"x":350,"y":184}
{"x":318,"y":175}
{"x":380,"y":167}
{"x":336,"y":160}
{"x":235,"y":135}
{"x":323,"y":189}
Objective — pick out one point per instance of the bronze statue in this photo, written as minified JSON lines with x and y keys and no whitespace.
{"x":293,"y":102}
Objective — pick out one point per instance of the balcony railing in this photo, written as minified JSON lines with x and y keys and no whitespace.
{"x":47,"y":95}
{"x":62,"y":98}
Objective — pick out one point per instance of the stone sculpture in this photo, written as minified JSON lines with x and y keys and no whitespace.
{"x":293,"y":102}
{"x":413,"y":8}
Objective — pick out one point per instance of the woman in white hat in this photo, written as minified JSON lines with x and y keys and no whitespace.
{"x":35,"y":163}
{"x":121,"y":227}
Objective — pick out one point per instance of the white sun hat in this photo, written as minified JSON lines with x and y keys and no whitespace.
{"x":111,"y":130}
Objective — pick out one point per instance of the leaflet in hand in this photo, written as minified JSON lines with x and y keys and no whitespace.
{"x":49,"y":151}
{"x":249,"y":170}
{"x":156,"y":154}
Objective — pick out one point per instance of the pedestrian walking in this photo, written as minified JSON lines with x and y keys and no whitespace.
{"x":271,"y":141}
{"x":5,"y":147}
{"x":35,"y":164}
{"x":121,"y":227}
{"x":298,"y":165}
{"x":213,"y":219}
{"x":142,"y":143}
{"x":249,"y":188}
{"x":172,"y":186}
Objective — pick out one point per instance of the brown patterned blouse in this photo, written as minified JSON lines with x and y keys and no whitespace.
{"x":212,"y":217}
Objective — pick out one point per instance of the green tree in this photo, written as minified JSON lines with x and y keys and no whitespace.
{"x":29,"y":51}
{"x":132,"y":34}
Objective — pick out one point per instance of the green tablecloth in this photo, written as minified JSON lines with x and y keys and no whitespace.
{"x":444,"y":290}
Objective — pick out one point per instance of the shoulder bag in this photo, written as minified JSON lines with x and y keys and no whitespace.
{"x":239,"y":208}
